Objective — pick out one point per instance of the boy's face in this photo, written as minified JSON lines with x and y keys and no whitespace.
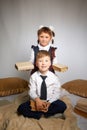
{"x":43,"y":64}
{"x":44,"y":39}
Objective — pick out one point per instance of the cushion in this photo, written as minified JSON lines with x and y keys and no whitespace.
{"x":77,"y":87}
{"x":12,"y":85}
{"x":81,"y":107}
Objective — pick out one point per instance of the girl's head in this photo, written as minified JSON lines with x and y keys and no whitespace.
{"x":45,"y":35}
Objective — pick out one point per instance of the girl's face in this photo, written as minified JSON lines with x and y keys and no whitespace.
{"x":44,"y":39}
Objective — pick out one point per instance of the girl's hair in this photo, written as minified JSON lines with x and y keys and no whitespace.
{"x":42,"y":53}
{"x":46,"y":30}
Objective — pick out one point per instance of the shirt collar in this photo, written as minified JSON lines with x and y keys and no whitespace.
{"x":44,"y":48}
{"x":39,"y":73}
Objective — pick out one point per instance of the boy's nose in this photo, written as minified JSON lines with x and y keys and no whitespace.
{"x":43,"y":62}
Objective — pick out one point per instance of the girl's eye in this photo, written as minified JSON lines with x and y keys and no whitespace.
{"x":41,"y":36}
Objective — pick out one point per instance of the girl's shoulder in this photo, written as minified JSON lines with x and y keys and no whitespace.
{"x":51,"y":74}
{"x":34,"y":46}
{"x":52,"y":46}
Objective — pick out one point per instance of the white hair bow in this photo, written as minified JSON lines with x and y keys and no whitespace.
{"x":50,"y":27}
{"x":41,"y":26}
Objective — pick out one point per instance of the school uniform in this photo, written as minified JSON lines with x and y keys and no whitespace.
{"x":53,"y":95}
{"x":50,"y":48}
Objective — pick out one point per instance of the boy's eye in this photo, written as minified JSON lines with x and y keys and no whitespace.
{"x":40,"y":60}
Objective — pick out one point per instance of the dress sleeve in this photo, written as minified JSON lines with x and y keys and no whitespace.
{"x":31,"y":56}
{"x":55,"y":60}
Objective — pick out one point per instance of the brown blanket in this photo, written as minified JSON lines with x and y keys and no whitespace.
{"x":9,"y":120}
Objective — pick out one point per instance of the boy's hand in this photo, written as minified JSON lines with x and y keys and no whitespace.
{"x":42,"y":105}
{"x":47,"y":104}
{"x":39,"y":104}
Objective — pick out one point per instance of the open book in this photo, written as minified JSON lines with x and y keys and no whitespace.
{"x":30,"y":66}
{"x":24,"y":66}
{"x":60,"y":67}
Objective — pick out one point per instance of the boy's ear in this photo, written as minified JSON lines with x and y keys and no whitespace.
{"x":50,"y":64}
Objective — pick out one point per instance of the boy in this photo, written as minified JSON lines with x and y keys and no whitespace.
{"x":47,"y":102}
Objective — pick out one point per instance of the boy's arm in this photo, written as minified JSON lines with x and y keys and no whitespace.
{"x":56,"y":89}
{"x":32,"y":90}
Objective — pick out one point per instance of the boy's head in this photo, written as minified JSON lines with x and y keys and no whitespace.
{"x":43,"y":61}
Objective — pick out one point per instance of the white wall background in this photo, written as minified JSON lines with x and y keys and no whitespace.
{"x":19,"y":21}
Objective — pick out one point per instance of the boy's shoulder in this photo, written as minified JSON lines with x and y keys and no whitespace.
{"x":51,"y":74}
{"x":34,"y":74}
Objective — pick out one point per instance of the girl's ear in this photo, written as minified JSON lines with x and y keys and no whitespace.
{"x":36,"y":64}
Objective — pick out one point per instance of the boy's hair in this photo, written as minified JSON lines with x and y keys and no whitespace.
{"x":46,"y":30}
{"x":42,"y":53}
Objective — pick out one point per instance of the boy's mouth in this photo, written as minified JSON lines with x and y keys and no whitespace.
{"x":43,"y":66}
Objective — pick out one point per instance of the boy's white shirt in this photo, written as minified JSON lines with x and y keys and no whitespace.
{"x":55,"y":61}
{"x":52,"y":82}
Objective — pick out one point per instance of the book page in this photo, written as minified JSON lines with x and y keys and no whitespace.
{"x":24,"y":66}
{"x":60,"y":67}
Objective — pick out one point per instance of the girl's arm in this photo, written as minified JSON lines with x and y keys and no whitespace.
{"x":55,"y":60}
{"x":32,"y":56}
{"x":57,"y":66}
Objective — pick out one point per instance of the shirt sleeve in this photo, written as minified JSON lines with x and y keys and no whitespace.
{"x":55,"y":94}
{"x":32,"y":91}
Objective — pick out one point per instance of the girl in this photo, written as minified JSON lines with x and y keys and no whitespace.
{"x":45,"y":42}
